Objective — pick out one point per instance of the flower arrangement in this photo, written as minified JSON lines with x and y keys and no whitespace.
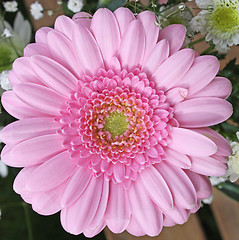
{"x":112,"y":115}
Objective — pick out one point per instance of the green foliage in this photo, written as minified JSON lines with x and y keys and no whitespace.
{"x":230,"y":189}
{"x":111,"y":4}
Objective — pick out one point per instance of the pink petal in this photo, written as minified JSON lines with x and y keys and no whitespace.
{"x":132,"y":47}
{"x":169,"y":34}
{"x":75,"y":186}
{"x":173,"y":69}
{"x":106,"y":31}
{"x":28,"y":128}
{"x":41,"y":34}
{"x":223,"y":146}
{"x":13,"y":78}
{"x":191,"y":143}
{"x":201,"y":184}
{"x":159,"y":53}
{"x":98,"y":223}
{"x":156,"y":188}
{"x":24,"y":71}
{"x":148,"y":19}
{"x":85,"y":45}
{"x":119,"y":172}
{"x":118,"y":211}
{"x":202,"y":112}
{"x":181,"y":187}
{"x":40,"y":97}
{"x":134,"y":228}
{"x":77,"y":217}
{"x":36,"y":49}
{"x":147,"y":215}
{"x":48,"y":203}
{"x":178,"y":159}
{"x":62,"y":52}
{"x":124,"y":16}
{"x":17,"y":108}
{"x":65,"y":25}
{"x":83,"y":19}
{"x":176,"y":95}
{"x":219,"y":87}
{"x":54,"y":75}
{"x":208,"y":166}
{"x":35,"y":150}
{"x":52,"y":173}
{"x":201,"y":73}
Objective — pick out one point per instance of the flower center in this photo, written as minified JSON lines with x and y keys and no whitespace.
{"x":226,"y":17}
{"x":116,"y":124}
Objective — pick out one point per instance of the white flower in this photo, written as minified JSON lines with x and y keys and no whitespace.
{"x":49,"y":12}
{"x":10,"y":6}
{"x":5,"y":84}
{"x":36,"y":10}
{"x":219,"y":21}
{"x":3,"y":170}
{"x":217,"y":180}
{"x":75,"y":5}
{"x":59,"y":2}
{"x":233,"y":163}
{"x":208,"y":200}
{"x":6,"y":33}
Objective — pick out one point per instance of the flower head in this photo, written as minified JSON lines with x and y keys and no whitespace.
{"x":4,"y":82}
{"x":75,"y":5}
{"x":36,"y":10}
{"x":220,"y":22}
{"x":10,"y":6}
{"x":113,"y":123}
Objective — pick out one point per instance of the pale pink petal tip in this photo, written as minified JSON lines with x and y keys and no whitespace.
{"x":113,"y":123}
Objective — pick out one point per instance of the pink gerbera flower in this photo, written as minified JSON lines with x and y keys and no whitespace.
{"x":113,"y":123}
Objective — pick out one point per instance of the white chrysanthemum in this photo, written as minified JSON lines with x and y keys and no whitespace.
{"x":36,"y":10}
{"x":75,"y":5}
{"x":220,"y":22}
{"x":5,"y":84}
{"x":3,"y":170}
{"x":208,"y":200}
{"x":6,"y":33}
{"x":217,"y":180}
{"x":10,"y":6}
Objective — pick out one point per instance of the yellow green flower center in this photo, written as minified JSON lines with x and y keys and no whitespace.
{"x":226,"y":18}
{"x":116,"y":124}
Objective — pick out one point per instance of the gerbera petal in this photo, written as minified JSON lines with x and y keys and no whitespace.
{"x":156,"y":188}
{"x":181,"y":187}
{"x":201,"y":73}
{"x":36,"y":49}
{"x":201,"y":183}
{"x":178,"y":159}
{"x":202,"y":112}
{"x":219,"y":87}
{"x":28,"y":128}
{"x":13,"y":78}
{"x":65,"y":25}
{"x":148,"y":19}
{"x":62,"y":51}
{"x":17,"y":108}
{"x":41,"y":35}
{"x":124,"y":16}
{"x":83,"y":19}
{"x":77,"y":217}
{"x":85,"y":45}
{"x":208,"y":166}
{"x":75,"y":186}
{"x":35,"y":150}
{"x":191,"y":143}
{"x":223,"y":146}
{"x":118,"y":210}
{"x":149,"y":218}
{"x":106,"y":31}
{"x":159,"y":53}
{"x":173,"y":69}
{"x":52,"y":173}
{"x":48,"y":203}
{"x":169,"y":34}
{"x":40,"y":97}
{"x":176,"y":95}
{"x":132,"y":47}
{"x":54,"y":75}
{"x":134,"y":228}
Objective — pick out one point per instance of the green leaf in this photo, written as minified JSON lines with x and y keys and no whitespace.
{"x":111,"y":4}
{"x":230,"y":189}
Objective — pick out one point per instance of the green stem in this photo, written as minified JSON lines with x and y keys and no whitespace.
{"x":28,"y":221}
{"x":208,"y":50}
{"x":196,"y":41}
